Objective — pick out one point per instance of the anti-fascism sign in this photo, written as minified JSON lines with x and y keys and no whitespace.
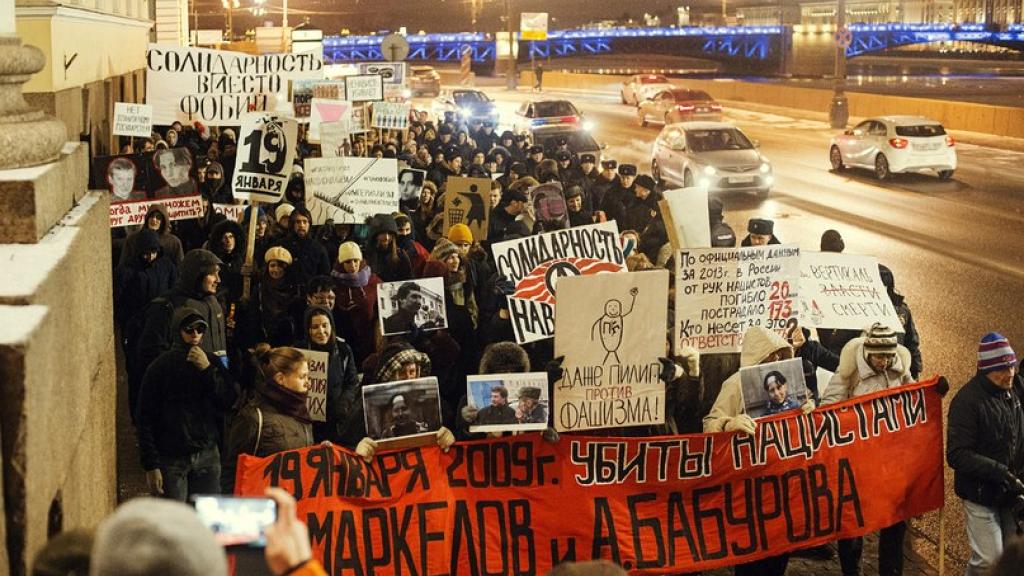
{"x":535,"y":264}
{"x":266,"y":151}
{"x":316,"y":398}
{"x":364,"y":88}
{"x":610,"y":328}
{"x":468,"y":201}
{"x":350,"y":190}
{"x":217,"y":87}
{"x":134,"y":213}
{"x":137,"y":181}
{"x":327,"y":111}
{"x":133,"y":120}
{"x":664,"y":505}
{"x":390,"y":115}
{"x":720,"y":292}
{"x":843,"y":291}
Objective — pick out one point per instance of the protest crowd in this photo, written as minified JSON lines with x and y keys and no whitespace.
{"x":228,"y":316}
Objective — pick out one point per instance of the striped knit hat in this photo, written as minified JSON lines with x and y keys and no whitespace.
{"x":994,"y":353}
{"x":880,"y":339}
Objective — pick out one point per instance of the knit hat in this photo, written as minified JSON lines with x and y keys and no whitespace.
{"x":394,"y":356}
{"x":832,"y":241}
{"x":349,"y":251}
{"x":761,"y":226}
{"x":504,"y":358}
{"x":443,"y":249}
{"x":994,"y":353}
{"x":880,"y":339}
{"x":283,"y":210}
{"x":153,"y":536}
{"x":460,"y":233}
{"x":278,"y":253}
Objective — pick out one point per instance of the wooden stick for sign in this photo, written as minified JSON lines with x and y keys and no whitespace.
{"x":942,"y":540}
{"x":250,"y":250}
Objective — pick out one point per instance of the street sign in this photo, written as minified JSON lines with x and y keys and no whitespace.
{"x":533,"y":26}
{"x":394,"y":47}
{"x":844,"y":37}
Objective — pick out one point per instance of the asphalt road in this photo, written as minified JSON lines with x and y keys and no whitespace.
{"x":955,"y":248}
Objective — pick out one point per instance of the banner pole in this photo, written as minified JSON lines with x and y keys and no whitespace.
{"x":250,"y":249}
{"x":942,"y":540}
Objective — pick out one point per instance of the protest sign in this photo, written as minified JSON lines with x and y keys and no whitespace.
{"x":349,"y":190}
{"x":316,"y":397}
{"x":611,"y":329}
{"x":410,"y":182}
{"x":508,"y":402}
{"x":234,"y":212}
{"x":411,"y":303}
{"x":667,"y":505}
{"x":685,"y":212}
{"x":468,"y":201}
{"x":134,"y":213}
{"x":535,"y":264}
{"x":402,"y":414}
{"x":391,"y":72}
{"x":391,"y":115}
{"x":333,"y":138}
{"x":844,"y":291}
{"x":133,"y":120}
{"x":773,"y":388}
{"x":218,"y":87}
{"x":720,"y":292}
{"x":327,"y":110}
{"x":266,"y":152}
{"x":548,"y":202}
{"x":364,"y":88}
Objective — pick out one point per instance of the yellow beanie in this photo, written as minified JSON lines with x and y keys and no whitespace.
{"x":460,"y":233}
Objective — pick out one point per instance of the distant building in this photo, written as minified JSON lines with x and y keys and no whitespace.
{"x":876,"y":12}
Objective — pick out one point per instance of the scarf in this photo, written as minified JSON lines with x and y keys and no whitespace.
{"x":358,"y":280}
{"x":286,"y":401}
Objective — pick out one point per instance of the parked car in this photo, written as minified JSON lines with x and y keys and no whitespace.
{"x":578,"y":142}
{"x":540,"y":115}
{"x":716,"y":155}
{"x":892,"y":144}
{"x":678,"y":105}
{"x":639,"y":87}
{"x":424,"y":80}
{"x":465,"y":105}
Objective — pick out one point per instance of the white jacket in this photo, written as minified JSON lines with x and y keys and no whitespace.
{"x":758,"y":344}
{"x":856,"y":377}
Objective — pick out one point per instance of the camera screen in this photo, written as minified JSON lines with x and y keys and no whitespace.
{"x":236,"y":521}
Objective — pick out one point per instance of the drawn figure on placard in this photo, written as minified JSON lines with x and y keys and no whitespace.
{"x":530,"y":410}
{"x":402,"y":421}
{"x":476,"y":207}
{"x":611,"y":324}
{"x":777,"y":390}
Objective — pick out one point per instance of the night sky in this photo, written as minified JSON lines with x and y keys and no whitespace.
{"x":362,"y":16}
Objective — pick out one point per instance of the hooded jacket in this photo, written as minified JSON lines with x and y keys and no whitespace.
{"x":391,"y":264}
{"x":169,"y":242}
{"x":180,"y":406}
{"x":342,"y":381}
{"x":137,"y":282}
{"x":856,"y":377}
{"x":231,"y":272}
{"x":158,"y":334}
{"x":758,"y":344}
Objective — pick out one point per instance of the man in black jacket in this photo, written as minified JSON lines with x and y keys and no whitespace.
{"x":309,"y":257}
{"x":985,"y":448}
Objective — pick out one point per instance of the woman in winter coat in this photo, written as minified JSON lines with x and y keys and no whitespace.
{"x":277,"y":294}
{"x":382,"y":252}
{"x":355,"y":290}
{"x":275,"y":418}
{"x":342,"y":381}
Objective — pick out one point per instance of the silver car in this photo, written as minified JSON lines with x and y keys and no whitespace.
{"x":716,"y":155}
{"x":639,"y":87}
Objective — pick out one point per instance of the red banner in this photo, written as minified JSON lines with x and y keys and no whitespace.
{"x":664,"y":505}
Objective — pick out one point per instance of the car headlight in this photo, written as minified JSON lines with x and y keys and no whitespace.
{"x":710,"y":170}
{"x":765,"y":168}
{"x":466,"y":111}
{"x":589,"y":125}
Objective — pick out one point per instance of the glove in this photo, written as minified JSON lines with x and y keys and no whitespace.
{"x":691,"y":359}
{"x":366,"y":449}
{"x":808,"y":406}
{"x":469,"y":413}
{"x":197,"y":358}
{"x":505,"y":286}
{"x":155,"y":481}
{"x":445,"y":439}
{"x":741,"y":423}
{"x":1012,"y":483}
{"x":554,"y":369}
{"x":669,"y":370}
{"x":942,"y":386}
{"x":550,"y":435}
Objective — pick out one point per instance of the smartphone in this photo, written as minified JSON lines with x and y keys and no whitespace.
{"x":236,"y":521}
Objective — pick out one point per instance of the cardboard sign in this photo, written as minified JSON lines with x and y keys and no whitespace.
{"x":392,"y":72}
{"x":508,"y":402}
{"x":720,"y":292}
{"x":234,"y":212}
{"x":134,"y":213}
{"x":133,"y":120}
{"x":611,"y":328}
{"x":218,"y":87}
{"x":667,"y":505}
{"x":536,"y":263}
{"x":685,"y":212}
{"x":468,"y":201}
{"x":844,"y":291}
{"x":316,"y":398}
{"x":349,"y":190}
{"x":402,"y":414}
{"x":266,"y":152}
{"x":773,"y":388}
{"x":333,"y":138}
{"x":364,"y":88}
{"x":326,"y":110}
{"x":391,"y":115}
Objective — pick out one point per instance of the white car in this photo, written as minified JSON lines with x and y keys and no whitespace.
{"x":640,"y":87}
{"x":543,"y":115}
{"x":716,"y":155}
{"x":892,"y":144}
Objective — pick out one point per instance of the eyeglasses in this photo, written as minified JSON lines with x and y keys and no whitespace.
{"x":194,"y":329}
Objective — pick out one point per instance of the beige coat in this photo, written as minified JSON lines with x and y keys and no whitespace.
{"x":855,"y":376}
{"x":758,"y":344}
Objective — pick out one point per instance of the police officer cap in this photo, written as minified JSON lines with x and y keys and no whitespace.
{"x":761,"y":226}
{"x":536,"y":149}
{"x":588,"y":158}
{"x":563,"y":155}
{"x":627,"y":169}
{"x":573,"y":191}
{"x":609,"y":164}
{"x":451,"y":153}
{"x":488,"y":124}
{"x":445,"y":129}
{"x":645,"y":181}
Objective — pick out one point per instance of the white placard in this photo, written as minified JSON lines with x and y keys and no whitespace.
{"x":323,"y":110}
{"x":685,"y":212}
{"x":364,"y":88}
{"x":266,"y":152}
{"x":333,"y":136}
{"x":133,"y":120}
{"x":393,"y":72}
{"x":390,"y":115}
{"x":844,"y":291}
{"x":316,"y":397}
{"x":349,"y":190}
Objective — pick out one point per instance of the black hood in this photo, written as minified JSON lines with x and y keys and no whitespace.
{"x":147,"y":241}
{"x":222,"y":228}
{"x":182,"y":317}
{"x":194,"y":266}
{"x":157,"y":208}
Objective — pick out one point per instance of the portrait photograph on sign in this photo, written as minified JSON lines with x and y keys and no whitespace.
{"x":508,"y":402}
{"x":410,"y":182}
{"x":404,"y":413}
{"x":173,"y":173}
{"x":125,"y":177}
{"x":411,"y":303}
{"x":773,"y":388}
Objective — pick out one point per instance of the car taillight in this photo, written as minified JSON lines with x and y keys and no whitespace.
{"x":684,"y":108}
{"x":569,"y":119}
{"x":898,"y":143}
{"x":950,"y":141}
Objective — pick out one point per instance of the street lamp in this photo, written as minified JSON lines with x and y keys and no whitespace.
{"x":839,"y":111}
{"x":510,"y":78}
{"x":230,"y":6}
